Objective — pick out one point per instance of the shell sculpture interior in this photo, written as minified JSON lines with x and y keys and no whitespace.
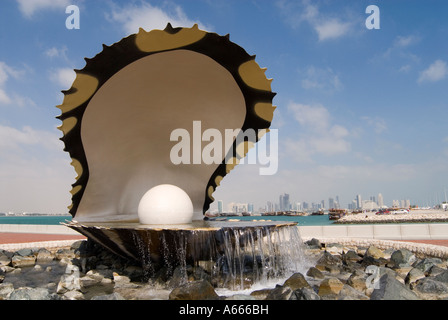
{"x":119,"y":114}
{"x":118,"y":119}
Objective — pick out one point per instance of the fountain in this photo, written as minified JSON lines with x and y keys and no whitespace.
{"x":121,"y":120}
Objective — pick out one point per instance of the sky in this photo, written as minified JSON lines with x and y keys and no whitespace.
{"x":359,"y":110}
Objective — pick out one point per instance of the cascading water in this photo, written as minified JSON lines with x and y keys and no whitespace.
{"x":232,"y":255}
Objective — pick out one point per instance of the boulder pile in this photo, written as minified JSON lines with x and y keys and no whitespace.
{"x":85,"y":271}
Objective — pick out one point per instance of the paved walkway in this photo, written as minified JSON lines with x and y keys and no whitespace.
{"x":8,"y":238}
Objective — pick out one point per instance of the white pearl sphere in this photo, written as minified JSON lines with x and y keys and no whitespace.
{"x":165,"y":204}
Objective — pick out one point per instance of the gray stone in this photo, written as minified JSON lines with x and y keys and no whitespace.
{"x":392,"y":289}
{"x":112,"y":296}
{"x":414,"y":275}
{"x":4,"y":259}
{"x":442,"y":277}
{"x":374,"y":252}
{"x":297,"y":281}
{"x":435,"y":271}
{"x":402,"y":258}
{"x":315,"y":273}
{"x":358,"y":280}
{"x":330,"y":286}
{"x":64,"y":253}
{"x":5,"y":290}
{"x":427,"y":263}
{"x":349,"y":293}
{"x":24,"y":252}
{"x":241,"y":297}
{"x":351,"y":256}
{"x":194,"y":290}
{"x":306,"y":294}
{"x":73,"y":295}
{"x":19,"y":261}
{"x":44,"y":256}
{"x":281,"y":293}
{"x":314,"y":244}
{"x":27,"y":293}
{"x":431,"y":286}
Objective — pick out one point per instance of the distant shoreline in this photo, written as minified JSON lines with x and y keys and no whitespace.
{"x":415,"y":216}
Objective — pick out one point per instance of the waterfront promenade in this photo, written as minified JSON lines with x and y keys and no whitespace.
{"x":424,"y":233}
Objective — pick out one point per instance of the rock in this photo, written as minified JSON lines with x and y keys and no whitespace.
{"x":24,"y":252}
{"x":70,"y":280}
{"x":112,"y":296}
{"x":427,"y":263}
{"x":351,"y":256}
{"x":431,"y":286}
{"x":330,"y":286}
{"x":297,"y":281}
{"x":434,"y":271}
{"x":261,"y":294}
{"x":349,"y":293}
{"x":306,"y":294}
{"x":334,"y":248}
{"x":402,"y":258}
{"x":315,"y":273}
{"x":374,"y":252}
{"x":44,"y":256}
{"x":281,"y":293}
{"x":195,"y":290}
{"x":313,"y":244}
{"x":73,"y":295}
{"x":392,"y":289}
{"x":64,"y":253}
{"x":442,"y":277}
{"x":358,"y":280}
{"x":241,"y":297}
{"x":329,"y":262}
{"x":5,"y":290}
{"x":413,"y":275}
{"x":19,"y":261}
{"x":5,"y":260}
{"x":86,"y":281}
{"x":31,"y":294}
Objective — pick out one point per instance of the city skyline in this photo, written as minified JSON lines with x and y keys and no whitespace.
{"x":359,"y":110}
{"x":332,"y":203}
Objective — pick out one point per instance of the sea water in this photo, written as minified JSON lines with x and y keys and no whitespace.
{"x":37,"y":220}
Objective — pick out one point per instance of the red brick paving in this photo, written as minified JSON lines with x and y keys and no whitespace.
{"x":6,"y":238}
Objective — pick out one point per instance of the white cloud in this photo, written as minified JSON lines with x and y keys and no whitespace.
{"x":331,"y":29}
{"x":57,"y":52}
{"x":7,"y":97}
{"x":317,"y":134}
{"x":63,"y":77}
{"x":150,"y":17}
{"x":15,"y":139}
{"x":322,"y":79}
{"x":29,"y":7}
{"x":435,"y":72}
{"x":405,"y":41}
{"x":326,"y":27}
{"x":379,"y":124}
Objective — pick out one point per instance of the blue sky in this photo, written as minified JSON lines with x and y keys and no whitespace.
{"x":358,"y":111}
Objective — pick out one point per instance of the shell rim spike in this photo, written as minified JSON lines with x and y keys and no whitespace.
{"x":124,"y":52}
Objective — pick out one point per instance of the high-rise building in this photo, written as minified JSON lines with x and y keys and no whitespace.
{"x":331,"y":203}
{"x":219,"y":206}
{"x":284,"y":202}
{"x":380,"y":200}
{"x":250,"y":207}
{"x":359,"y":201}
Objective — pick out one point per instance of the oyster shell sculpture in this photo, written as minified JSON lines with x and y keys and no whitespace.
{"x":119,"y":114}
